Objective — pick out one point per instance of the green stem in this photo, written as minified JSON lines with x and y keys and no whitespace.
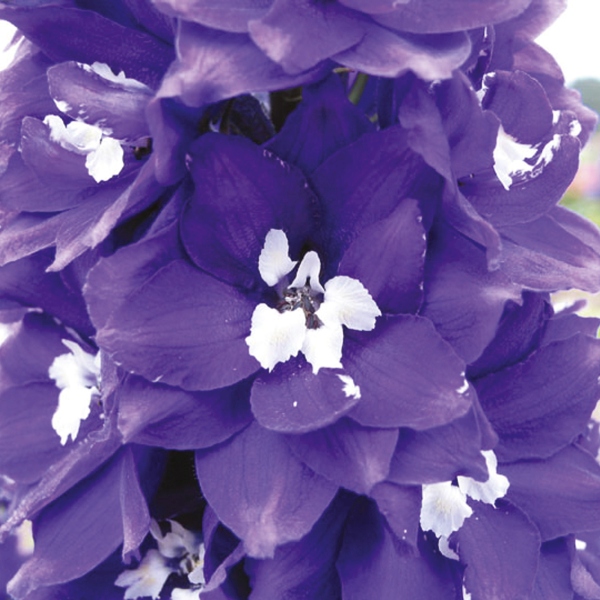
{"x":358,"y":87}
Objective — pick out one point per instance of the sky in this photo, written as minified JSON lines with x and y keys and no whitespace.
{"x":574,"y":39}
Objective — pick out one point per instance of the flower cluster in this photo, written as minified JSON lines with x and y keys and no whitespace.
{"x":274,"y":283}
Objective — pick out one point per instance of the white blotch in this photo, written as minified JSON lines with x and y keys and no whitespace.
{"x":181,"y":594}
{"x":444,"y":508}
{"x":104,"y":155}
{"x":63,"y":106}
{"x":295,"y":403}
{"x":76,"y":374}
{"x":513,"y":160}
{"x":106,"y":72}
{"x":351,"y":390}
{"x":488,"y":491}
{"x":464,"y":387}
{"x":580,"y":545}
{"x":509,"y":158}
{"x":574,"y":128}
{"x":555,"y":116}
{"x":466,"y":595}
{"x":274,"y":262}
{"x":277,"y":335}
{"x":179,"y":551}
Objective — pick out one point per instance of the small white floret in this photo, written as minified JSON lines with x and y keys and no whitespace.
{"x":488,"y":491}
{"x":148,"y":579}
{"x":76,"y":375}
{"x":104,"y":155}
{"x":349,"y":303}
{"x":274,"y":261}
{"x":444,"y":508}
{"x":274,"y":336}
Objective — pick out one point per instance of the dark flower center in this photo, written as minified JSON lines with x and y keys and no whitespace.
{"x":306,"y":299}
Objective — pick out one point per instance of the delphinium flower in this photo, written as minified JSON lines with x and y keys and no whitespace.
{"x":318,"y":363}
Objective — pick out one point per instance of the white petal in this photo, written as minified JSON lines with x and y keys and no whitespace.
{"x":488,"y":491}
{"x":323,"y":347}
{"x":348,"y":302}
{"x":77,"y":368}
{"x":444,"y":508}
{"x":274,"y":336}
{"x":182,"y":594}
{"x":148,"y":579}
{"x":106,"y":161}
{"x":73,"y":407}
{"x":77,"y":136}
{"x":274,"y":261}
{"x":309,"y":269}
{"x":445,"y":550}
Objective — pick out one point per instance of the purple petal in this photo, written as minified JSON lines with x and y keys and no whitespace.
{"x":373,"y":564}
{"x":384,"y":53}
{"x":182,"y":327}
{"x":519,"y":333}
{"x":298,"y":36}
{"x":351,"y":456}
{"x":440,"y":453}
{"x":553,"y":579}
{"x":521,"y":104}
{"x":544,"y":403}
{"x":463,"y":299}
{"x":401,"y":506}
{"x":112,"y":280}
{"x":268,"y":497}
{"x":66,"y":33}
{"x":325,"y":121}
{"x":500,"y":547}
{"x":228,"y":16}
{"x":76,"y":532}
{"x":28,"y":443}
{"x":157,"y":415}
{"x":431,"y":16}
{"x":213,"y":65}
{"x":393,"y":277}
{"x":561,"y":495}
{"x":25,"y":283}
{"x":26,"y":356}
{"x":303,"y":569}
{"x":529,"y":197}
{"x":237,"y":200}
{"x":88,"y":96}
{"x":134,"y":509}
{"x":292,"y":399}
{"x":391,"y":365}
{"x":368,"y":168}
{"x":81,"y":460}
{"x":557,"y":251}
